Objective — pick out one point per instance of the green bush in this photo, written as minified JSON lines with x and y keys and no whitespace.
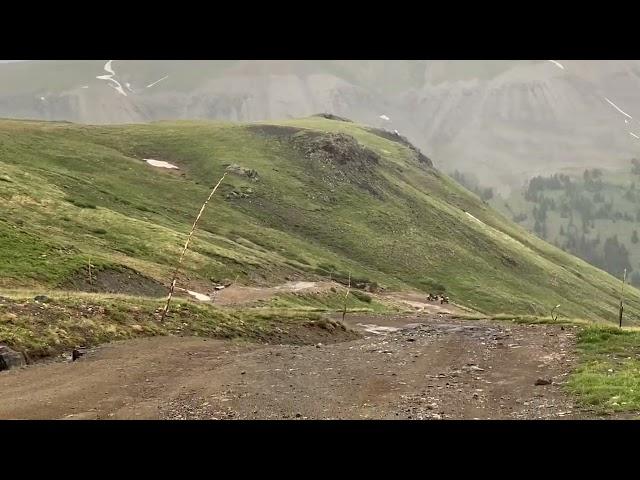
{"x":363,"y":297}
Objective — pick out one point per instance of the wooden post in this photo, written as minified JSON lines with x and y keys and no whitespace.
{"x":344,"y":312}
{"x":186,"y":245}
{"x":624,"y":279}
{"x":90,"y":276}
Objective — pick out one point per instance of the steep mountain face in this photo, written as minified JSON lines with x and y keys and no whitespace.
{"x":139,"y":91}
{"x":502,"y":120}
{"x":311,"y":198}
{"x":526,"y":120}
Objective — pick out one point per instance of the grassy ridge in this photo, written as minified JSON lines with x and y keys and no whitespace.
{"x":82,"y":319}
{"x":76,"y":192}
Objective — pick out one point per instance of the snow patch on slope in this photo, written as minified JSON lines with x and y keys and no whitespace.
{"x":159,"y":163}
{"x":557,"y":64}
{"x":199,"y":296}
{"x":618,"y":108}
{"x":110,"y":78}
{"x":157,"y":81}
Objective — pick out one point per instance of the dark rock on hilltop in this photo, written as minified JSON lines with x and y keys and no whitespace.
{"x":331,"y":116}
{"x":396,"y":137}
{"x":336,"y":148}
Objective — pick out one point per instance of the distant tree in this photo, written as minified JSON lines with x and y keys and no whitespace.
{"x":581,"y":246}
{"x":459,"y":177}
{"x":630,"y":195}
{"x":486,"y":193}
{"x":635,"y":166}
{"x":470,"y":182}
{"x":561,"y":230}
{"x":615,"y":257}
{"x":635,"y":279}
{"x":634,"y":237}
{"x":540,"y":228}
{"x":585,"y":226}
{"x":565,"y":210}
{"x":592,"y":180}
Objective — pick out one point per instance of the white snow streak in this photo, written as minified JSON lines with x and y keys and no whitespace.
{"x":384,"y":117}
{"x":85,"y":86}
{"x":42,"y":98}
{"x":618,"y":108}
{"x":200,"y":296}
{"x":377,"y":329}
{"x":109,"y":78}
{"x":626,"y":120}
{"x":107,"y":67}
{"x":157,"y":81}
{"x":557,"y":64}
{"x":159,"y":163}
{"x":477,"y":220}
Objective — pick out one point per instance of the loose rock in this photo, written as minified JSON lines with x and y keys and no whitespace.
{"x":10,"y":358}
{"x":77,"y":353}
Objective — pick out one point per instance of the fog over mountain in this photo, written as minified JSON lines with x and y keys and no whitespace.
{"x":426,"y":240}
{"x":505,"y":121}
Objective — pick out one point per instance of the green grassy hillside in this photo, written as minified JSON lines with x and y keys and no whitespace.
{"x":311,"y":197}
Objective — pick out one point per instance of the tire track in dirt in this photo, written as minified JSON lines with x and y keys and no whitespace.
{"x":431,"y":368}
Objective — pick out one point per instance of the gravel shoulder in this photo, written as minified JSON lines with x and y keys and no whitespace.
{"x":416,"y":367}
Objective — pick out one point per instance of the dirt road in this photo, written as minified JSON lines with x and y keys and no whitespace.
{"x":419,"y":367}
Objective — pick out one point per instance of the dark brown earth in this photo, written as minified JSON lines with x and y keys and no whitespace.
{"x":431,"y":367}
{"x":111,"y":280}
{"x":330,"y":116}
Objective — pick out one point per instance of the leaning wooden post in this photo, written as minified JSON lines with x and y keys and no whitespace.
{"x":344,"y":312}
{"x":90,"y":275}
{"x":624,"y":279}
{"x":186,"y":245}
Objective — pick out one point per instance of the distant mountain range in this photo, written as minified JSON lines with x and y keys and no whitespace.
{"x":502,"y":120}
